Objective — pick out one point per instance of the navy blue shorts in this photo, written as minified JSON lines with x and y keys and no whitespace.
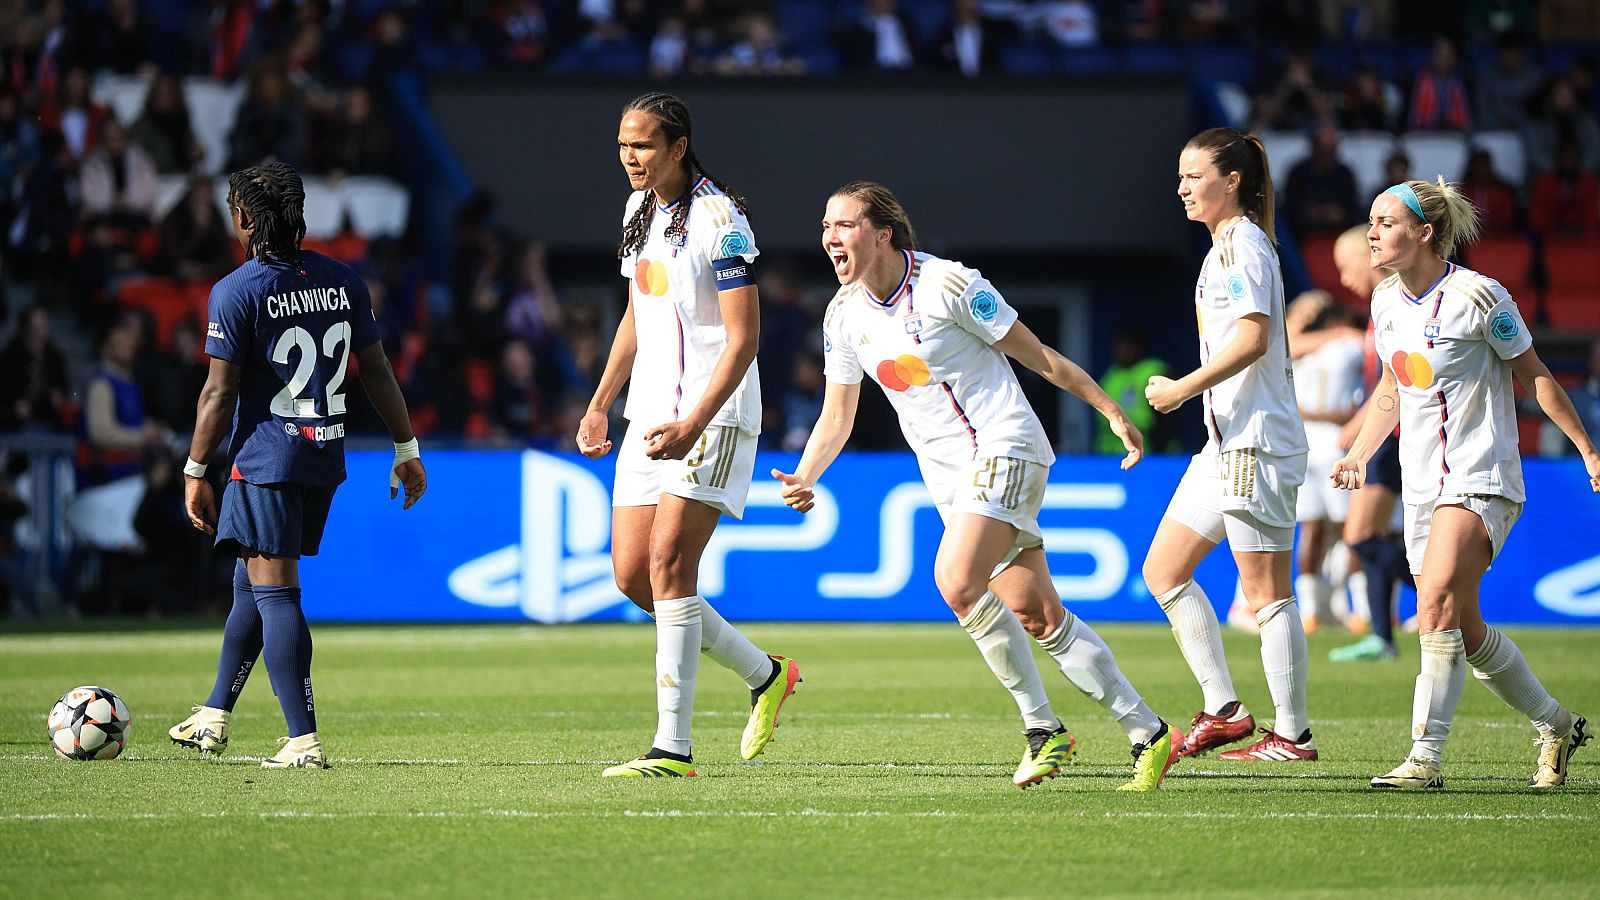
{"x":276,"y":519}
{"x":1384,"y":468}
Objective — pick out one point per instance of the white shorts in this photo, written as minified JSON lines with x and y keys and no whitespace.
{"x":1318,"y":498}
{"x":716,"y":472}
{"x":1245,"y":496}
{"x":1001,"y":488}
{"x":1498,"y":515}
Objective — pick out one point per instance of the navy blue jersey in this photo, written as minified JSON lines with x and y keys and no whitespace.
{"x":292,"y":330}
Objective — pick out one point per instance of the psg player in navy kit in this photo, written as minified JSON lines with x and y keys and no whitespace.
{"x":283,"y":328}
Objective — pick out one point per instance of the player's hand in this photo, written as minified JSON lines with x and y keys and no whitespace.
{"x":1131,"y":438}
{"x":1591,"y":463}
{"x":1163,"y":394}
{"x":1348,"y":474}
{"x":200,"y":502}
{"x":673,"y":440}
{"x":592,"y":430}
{"x":797,"y":495}
{"x":415,"y":479}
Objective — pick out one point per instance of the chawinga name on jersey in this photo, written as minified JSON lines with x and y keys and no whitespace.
{"x":294,"y":303}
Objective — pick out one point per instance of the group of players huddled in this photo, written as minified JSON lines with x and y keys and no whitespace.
{"x":935,"y":335}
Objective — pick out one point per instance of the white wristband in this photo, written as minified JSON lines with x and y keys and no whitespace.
{"x":402,"y":453}
{"x":194,"y":469}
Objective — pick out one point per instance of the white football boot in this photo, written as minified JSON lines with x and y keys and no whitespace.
{"x":206,"y":730}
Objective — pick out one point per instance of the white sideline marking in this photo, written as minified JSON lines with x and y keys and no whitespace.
{"x":781,"y":814}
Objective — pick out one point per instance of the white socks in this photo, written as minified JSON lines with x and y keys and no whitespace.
{"x":1088,"y":663}
{"x":1433,"y":707}
{"x":1315,"y":594}
{"x":1004,"y":646}
{"x":1194,"y":624}
{"x":677,"y":663}
{"x":1285,"y":658}
{"x":1504,"y":671}
{"x":723,"y":643}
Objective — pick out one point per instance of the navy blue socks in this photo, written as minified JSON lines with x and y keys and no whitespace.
{"x":241,"y":644}
{"x":1384,"y":562}
{"x":288,"y":653}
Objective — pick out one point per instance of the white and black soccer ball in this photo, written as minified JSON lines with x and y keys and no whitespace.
{"x":88,"y":722}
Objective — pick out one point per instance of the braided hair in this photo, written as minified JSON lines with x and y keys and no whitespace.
{"x":673,"y":116}
{"x":272,"y":199}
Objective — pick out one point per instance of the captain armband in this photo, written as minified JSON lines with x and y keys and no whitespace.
{"x":733,"y":272}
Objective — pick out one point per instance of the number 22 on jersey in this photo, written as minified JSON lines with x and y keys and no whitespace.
{"x":335,"y":344}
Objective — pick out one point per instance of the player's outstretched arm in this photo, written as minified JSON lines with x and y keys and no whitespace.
{"x":828,"y":436}
{"x":377,"y":379}
{"x":1022,"y":345}
{"x":741,"y":318}
{"x":1555,"y":403}
{"x":1248,"y":345}
{"x":596,"y":421}
{"x":1377,"y":422}
{"x":213,"y":414}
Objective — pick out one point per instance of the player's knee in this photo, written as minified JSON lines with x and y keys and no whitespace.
{"x":672,"y":572}
{"x":960,"y":590}
{"x":1159,"y":577}
{"x":634,"y":583}
{"x":1034,"y":625}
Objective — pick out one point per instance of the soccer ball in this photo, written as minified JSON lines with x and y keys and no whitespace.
{"x":88,"y":722}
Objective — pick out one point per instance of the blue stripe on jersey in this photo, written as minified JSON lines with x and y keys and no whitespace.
{"x":1449,"y":267}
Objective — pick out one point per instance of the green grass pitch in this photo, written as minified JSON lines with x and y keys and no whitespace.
{"x":467,"y":761}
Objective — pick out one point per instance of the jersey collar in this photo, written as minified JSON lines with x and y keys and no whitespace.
{"x":694,"y":186}
{"x":899,"y":291}
{"x":1449,"y":267}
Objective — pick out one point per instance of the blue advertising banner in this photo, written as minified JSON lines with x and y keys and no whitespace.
{"x":524,"y":536}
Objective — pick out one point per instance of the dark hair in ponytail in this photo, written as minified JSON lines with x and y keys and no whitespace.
{"x":673,"y":116}
{"x":272,"y":199}
{"x":1235,"y":151}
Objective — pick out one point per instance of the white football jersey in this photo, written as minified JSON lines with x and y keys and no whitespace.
{"x":929,"y":346}
{"x":1447,"y":349}
{"x":1328,"y":380}
{"x":1256,"y":407}
{"x":673,"y":287}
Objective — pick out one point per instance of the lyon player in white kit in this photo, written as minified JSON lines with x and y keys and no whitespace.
{"x":1242,"y":486}
{"x":687,"y":348}
{"x":1449,"y":340}
{"x":935,"y":336}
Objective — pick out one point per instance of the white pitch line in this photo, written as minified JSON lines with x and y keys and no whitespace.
{"x":25,"y":818}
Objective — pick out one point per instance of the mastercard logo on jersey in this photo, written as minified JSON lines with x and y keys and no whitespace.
{"x":1411,"y":369}
{"x":903,"y":373}
{"x":651,"y":277}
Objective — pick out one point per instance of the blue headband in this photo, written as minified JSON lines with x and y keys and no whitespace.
{"x":1409,"y":198}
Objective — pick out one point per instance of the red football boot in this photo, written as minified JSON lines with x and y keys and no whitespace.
{"x":1207,"y":731}
{"x":1276,"y":748}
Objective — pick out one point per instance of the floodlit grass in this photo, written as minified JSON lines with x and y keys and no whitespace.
{"x":467,"y":762}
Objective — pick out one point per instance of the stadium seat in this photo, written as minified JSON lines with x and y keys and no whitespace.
{"x":324,"y":208}
{"x":162,"y":298}
{"x":1026,"y":58}
{"x":1316,"y":251}
{"x":1158,"y":58}
{"x":169,"y":193}
{"x":1227,"y":62}
{"x":803,"y":23}
{"x":1573,"y":308}
{"x":1435,"y":153}
{"x":213,"y":105}
{"x":1505,"y":148}
{"x":124,"y":94}
{"x":378,"y":207}
{"x":1508,"y":259}
{"x":1284,"y":150}
{"x":1235,"y":101}
{"x":1364,"y":152}
{"x":1088,"y":60}
{"x":1572,"y":262}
